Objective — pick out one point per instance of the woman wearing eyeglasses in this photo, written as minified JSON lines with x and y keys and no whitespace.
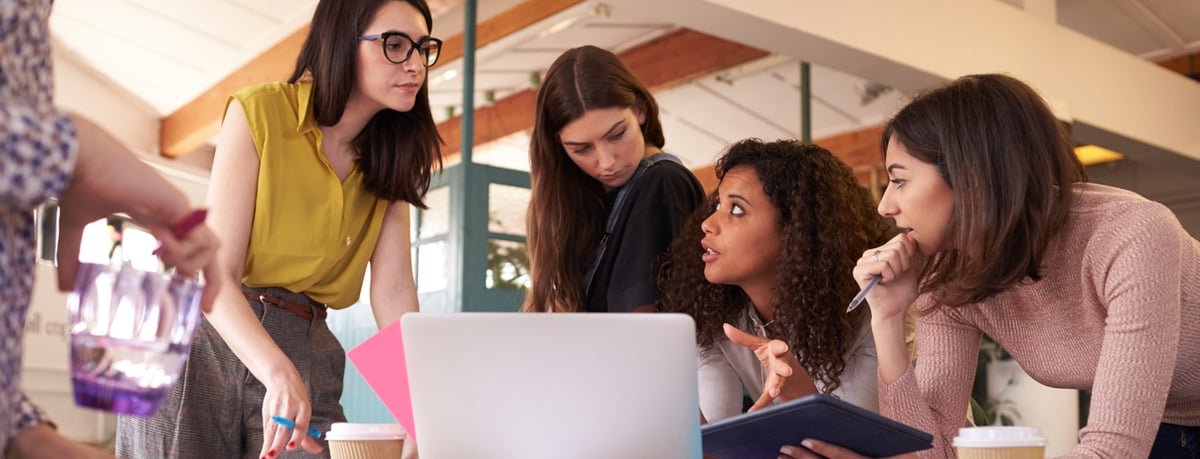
{"x":311,"y":179}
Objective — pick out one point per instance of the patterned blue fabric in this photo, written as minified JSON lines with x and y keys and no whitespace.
{"x":37,"y":152}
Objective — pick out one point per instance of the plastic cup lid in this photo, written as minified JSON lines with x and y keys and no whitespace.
{"x":342,"y":431}
{"x":998,"y":436}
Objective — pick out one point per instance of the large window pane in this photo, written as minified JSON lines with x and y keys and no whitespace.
{"x":506,"y":209}
{"x":508,"y":265}
{"x":117,"y":240}
{"x":47,"y":220}
{"x":436,"y":220}
{"x":137,"y":246}
{"x":431,"y":267}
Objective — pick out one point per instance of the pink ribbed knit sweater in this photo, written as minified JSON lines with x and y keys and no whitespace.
{"x":1117,"y":311}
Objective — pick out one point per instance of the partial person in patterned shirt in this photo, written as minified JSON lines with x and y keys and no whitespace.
{"x":45,"y":152}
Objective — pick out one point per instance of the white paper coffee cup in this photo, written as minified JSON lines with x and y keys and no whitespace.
{"x":365,"y":441}
{"x":1000,"y":442}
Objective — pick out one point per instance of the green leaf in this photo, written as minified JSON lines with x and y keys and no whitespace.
{"x":981,"y":416}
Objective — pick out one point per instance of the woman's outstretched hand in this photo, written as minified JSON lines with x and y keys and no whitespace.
{"x":814,"y":449}
{"x":109,"y":178}
{"x":786,"y":379}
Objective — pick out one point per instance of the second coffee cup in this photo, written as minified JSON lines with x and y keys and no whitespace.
{"x":1000,"y":442}
{"x":365,"y":441}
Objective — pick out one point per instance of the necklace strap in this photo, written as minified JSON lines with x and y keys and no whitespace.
{"x":762,"y":328}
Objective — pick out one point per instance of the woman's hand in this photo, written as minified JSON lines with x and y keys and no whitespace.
{"x":109,"y":178}
{"x":895,"y":262}
{"x":824,"y":450}
{"x":786,"y":380}
{"x":287,"y":397}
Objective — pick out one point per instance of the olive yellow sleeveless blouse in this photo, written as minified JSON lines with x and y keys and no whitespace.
{"x":311,"y":234}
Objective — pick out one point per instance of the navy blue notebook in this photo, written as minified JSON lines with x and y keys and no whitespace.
{"x":760,"y":434}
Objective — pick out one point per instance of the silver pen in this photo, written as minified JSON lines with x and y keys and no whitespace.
{"x":858,"y":299}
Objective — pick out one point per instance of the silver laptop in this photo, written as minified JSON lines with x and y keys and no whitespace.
{"x":509,"y":385}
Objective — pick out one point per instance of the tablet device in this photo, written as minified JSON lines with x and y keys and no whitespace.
{"x":760,"y":434}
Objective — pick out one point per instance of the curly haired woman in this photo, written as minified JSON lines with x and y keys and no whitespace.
{"x":768,"y":257}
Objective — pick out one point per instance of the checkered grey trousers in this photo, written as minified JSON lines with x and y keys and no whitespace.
{"x":215,"y":409}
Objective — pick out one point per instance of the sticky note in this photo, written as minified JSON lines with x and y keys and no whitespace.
{"x":380,"y":360}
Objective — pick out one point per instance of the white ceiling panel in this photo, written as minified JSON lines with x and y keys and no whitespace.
{"x":1180,"y":16}
{"x":604,"y":36}
{"x":141,"y":28}
{"x":501,"y":81}
{"x":1117,"y":24}
{"x":637,"y":40}
{"x":856,"y":99}
{"x":170,"y":51}
{"x":828,"y":120}
{"x":155,"y":72}
{"x":438,"y":101}
{"x":455,"y":97}
{"x":695,"y":146}
{"x":285,"y":11}
{"x":451,"y":22}
{"x":725,"y":120}
{"x":771,"y":100}
{"x":527,"y":59}
{"x":769,"y":91}
{"x":238,"y":27}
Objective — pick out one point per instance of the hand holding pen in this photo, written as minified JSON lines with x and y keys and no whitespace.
{"x":182,"y":228}
{"x":187,"y":244}
{"x":888,"y":276}
{"x":312,"y":432}
{"x":193,"y":219}
{"x":862,"y":294}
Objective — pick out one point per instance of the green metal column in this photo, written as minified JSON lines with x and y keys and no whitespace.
{"x":468,"y":110}
{"x":472,"y":192}
{"x":805,"y":105}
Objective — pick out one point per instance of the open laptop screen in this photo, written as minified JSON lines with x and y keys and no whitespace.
{"x":511,"y":385}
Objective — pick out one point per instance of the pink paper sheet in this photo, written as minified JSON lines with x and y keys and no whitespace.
{"x":380,"y":360}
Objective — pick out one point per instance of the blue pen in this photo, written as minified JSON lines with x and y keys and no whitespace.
{"x":291,"y":425}
{"x":863,"y":293}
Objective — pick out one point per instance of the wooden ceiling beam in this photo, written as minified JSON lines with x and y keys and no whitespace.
{"x":1186,"y":65}
{"x":193,"y":124}
{"x":504,"y":24}
{"x":858,"y":149}
{"x":669,"y":60}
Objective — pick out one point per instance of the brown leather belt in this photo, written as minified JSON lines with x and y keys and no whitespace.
{"x":302,"y":310}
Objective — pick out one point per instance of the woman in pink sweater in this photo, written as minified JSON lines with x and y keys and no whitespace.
{"x":1087,"y":286}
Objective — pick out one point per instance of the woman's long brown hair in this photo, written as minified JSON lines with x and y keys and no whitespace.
{"x":826,"y":222}
{"x":397,"y":151}
{"x":1010,"y":165}
{"x":566,"y":209}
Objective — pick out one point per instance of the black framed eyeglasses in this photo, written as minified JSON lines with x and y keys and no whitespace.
{"x":398,"y":47}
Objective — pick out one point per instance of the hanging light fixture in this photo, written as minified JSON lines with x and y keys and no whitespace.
{"x":1091,"y":155}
